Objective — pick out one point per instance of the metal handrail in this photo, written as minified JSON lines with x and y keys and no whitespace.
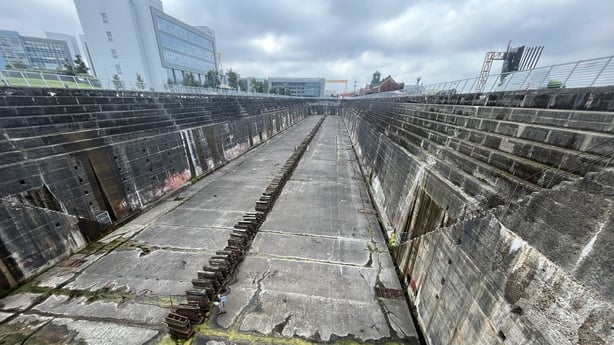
{"x":25,"y":78}
{"x":583,"y":73}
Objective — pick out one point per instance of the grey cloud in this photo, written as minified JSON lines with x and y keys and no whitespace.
{"x":349,"y":39}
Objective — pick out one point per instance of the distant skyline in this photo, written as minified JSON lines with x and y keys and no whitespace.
{"x":438,"y":40}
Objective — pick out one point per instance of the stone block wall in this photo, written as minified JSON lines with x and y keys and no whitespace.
{"x":517,"y":275}
{"x":481,"y":204}
{"x":589,"y":98}
{"x":74,"y":162}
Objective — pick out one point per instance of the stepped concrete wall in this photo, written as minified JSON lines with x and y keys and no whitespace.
{"x":74,"y":162}
{"x":498,"y":207}
{"x":500,"y":216}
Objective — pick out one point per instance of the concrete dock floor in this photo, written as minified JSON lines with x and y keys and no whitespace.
{"x":311,"y":272}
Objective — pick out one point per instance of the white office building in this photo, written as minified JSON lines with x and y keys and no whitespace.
{"x":123,"y":38}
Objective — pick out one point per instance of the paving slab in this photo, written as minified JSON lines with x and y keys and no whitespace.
{"x":66,"y":270}
{"x":325,"y":249}
{"x":207,"y":239}
{"x":159,"y":272}
{"x":186,"y":216}
{"x":83,"y":307}
{"x":325,"y":209}
{"x":69,"y":331}
{"x":20,"y":301}
{"x":227,"y":195}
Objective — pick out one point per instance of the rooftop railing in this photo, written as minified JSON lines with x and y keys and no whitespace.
{"x":583,"y":73}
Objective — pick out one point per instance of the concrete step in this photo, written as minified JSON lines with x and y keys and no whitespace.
{"x":498,"y":150}
{"x":472,"y":175}
{"x":588,"y":139}
{"x":596,"y":121}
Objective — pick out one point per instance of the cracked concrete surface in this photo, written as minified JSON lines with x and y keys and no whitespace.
{"x":310,"y":273}
{"x":118,"y":289}
{"x":323,"y":254}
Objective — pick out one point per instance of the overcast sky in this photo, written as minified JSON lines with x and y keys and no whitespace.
{"x":439,"y":40}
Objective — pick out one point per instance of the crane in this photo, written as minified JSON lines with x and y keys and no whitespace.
{"x":516,"y":59}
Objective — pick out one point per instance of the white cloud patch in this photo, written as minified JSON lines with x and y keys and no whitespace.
{"x":270,"y":43}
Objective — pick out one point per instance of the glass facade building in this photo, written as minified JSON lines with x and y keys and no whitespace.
{"x":12,"y":50}
{"x":183,"y":48}
{"x":32,"y":52}
{"x":136,"y":37}
{"x":299,"y":87}
{"x":45,"y":53}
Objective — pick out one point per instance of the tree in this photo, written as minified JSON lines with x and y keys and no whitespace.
{"x":243,"y":85}
{"x":260,"y":86}
{"x":256,"y":86}
{"x":190,"y":80}
{"x":69,"y":69}
{"x":212,"y":79}
{"x":80,"y":67}
{"x":77,"y":67}
{"x":117,"y":82}
{"x":140,"y":83}
{"x":233,"y":79}
{"x":280,"y":91}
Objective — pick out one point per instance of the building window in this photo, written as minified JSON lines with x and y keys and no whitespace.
{"x":114,"y":53}
{"x":118,"y":68}
{"x":109,"y":36}
{"x":104,"y":17}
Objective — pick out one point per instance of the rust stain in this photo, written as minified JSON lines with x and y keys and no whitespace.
{"x":176,"y":180}
{"x":413,"y":285}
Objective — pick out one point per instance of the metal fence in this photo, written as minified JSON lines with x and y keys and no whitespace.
{"x":42,"y":79}
{"x":18,"y":78}
{"x":583,"y":73}
{"x":217,"y":91}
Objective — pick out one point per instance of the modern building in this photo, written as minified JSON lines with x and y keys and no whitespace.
{"x":12,"y":50}
{"x":47,"y":54}
{"x":24,"y":52}
{"x":299,"y":87}
{"x":126,"y":38}
{"x":71,"y":41}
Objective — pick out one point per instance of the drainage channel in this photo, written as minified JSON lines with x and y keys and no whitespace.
{"x":214,"y":277}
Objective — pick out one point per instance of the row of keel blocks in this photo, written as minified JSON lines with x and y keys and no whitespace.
{"x":179,"y":325}
{"x":213,"y":279}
